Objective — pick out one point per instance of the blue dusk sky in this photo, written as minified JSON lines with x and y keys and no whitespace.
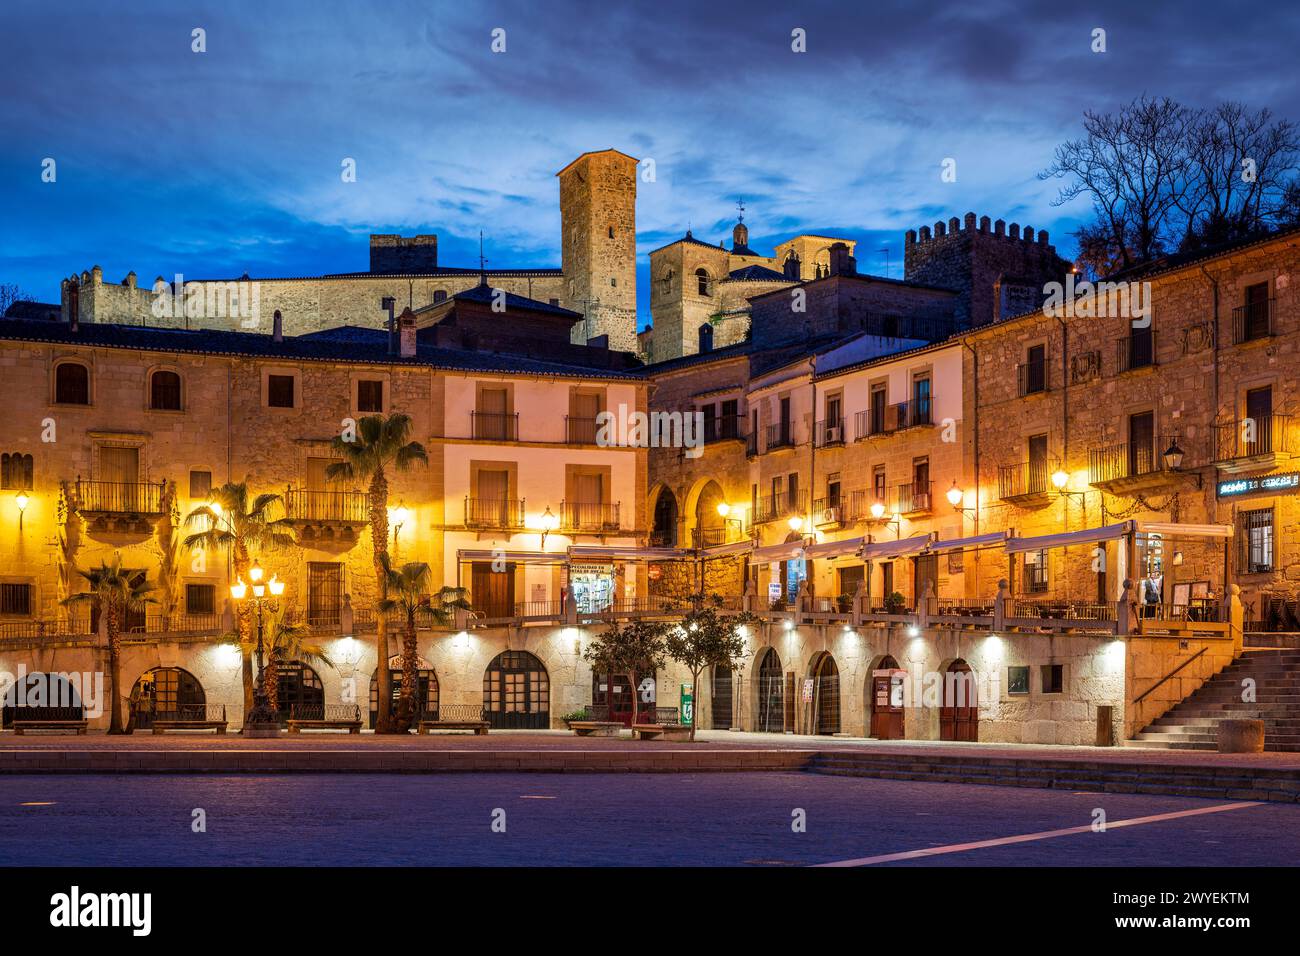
{"x":228,"y":161}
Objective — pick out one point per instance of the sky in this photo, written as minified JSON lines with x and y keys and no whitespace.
{"x":229,"y":161}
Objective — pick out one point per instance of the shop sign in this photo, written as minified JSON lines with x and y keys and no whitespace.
{"x":1268,"y":484}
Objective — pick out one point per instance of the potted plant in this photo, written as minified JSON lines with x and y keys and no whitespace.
{"x":845,"y":603}
{"x":894,"y":602}
{"x":582,"y":714}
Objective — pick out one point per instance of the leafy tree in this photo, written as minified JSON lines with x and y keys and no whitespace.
{"x":408,"y":587}
{"x":637,"y":647}
{"x":115,"y":591}
{"x":705,"y":638}
{"x":380,"y":443}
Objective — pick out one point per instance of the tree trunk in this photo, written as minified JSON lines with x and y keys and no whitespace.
{"x":243,"y":624}
{"x":114,"y":671}
{"x":409,"y":653}
{"x":636,"y":694}
{"x":271,"y":683}
{"x":379,"y":544}
{"x":695,"y":701}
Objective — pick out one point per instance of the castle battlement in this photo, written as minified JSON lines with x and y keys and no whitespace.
{"x":981,"y":226}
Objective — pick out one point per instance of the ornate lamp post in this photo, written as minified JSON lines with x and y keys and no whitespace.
{"x":261,"y":721}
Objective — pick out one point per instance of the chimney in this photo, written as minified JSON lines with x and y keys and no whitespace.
{"x":388,"y":303}
{"x":406,"y":331}
{"x":277,"y":327}
{"x":842,"y":264}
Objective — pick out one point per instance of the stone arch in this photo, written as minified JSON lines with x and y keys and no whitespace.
{"x":707,"y":520}
{"x":41,"y":696}
{"x":517,"y":691}
{"x":703,"y":281}
{"x":300,"y":691}
{"x":427,"y":692}
{"x":72,"y":382}
{"x":166,"y":693}
{"x":164,"y":389}
{"x":768,"y":697}
{"x":825,"y":708}
{"x":665,"y":517}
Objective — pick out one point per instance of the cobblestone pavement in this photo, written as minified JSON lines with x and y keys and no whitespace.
{"x":684,"y":819}
{"x":560,"y":740}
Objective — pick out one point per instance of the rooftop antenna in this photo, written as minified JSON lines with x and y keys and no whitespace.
{"x":482,"y":262}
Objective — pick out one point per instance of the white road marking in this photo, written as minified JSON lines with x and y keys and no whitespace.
{"x":1045,"y":835}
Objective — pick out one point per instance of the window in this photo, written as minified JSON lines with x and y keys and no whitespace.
{"x":16,"y":599}
{"x":851,"y":578}
{"x":279,"y":391}
{"x":878,"y":484}
{"x":611,"y":232}
{"x":1255,"y":541}
{"x":1053,"y":676}
{"x":1037,"y":477}
{"x":1018,"y":680}
{"x":833,"y":490}
{"x":370,"y":395}
{"x":1033,"y":374}
{"x":666,"y":282}
{"x":792,"y":486}
{"x":877,"y":424}
{"x":613,"y":281}
{"x":702,"y":284}
{"x":16,"y":471}
{"x":920,"y":412}
{"x":71,"y":384}
{"x":200,"y":485}
{"x":200,"y":599}
{"x":165,"y":391}
{"x":1036,"y":571}
{"x":439,"y":295}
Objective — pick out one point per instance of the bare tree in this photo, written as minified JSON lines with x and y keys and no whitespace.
{"x":9,"y":294}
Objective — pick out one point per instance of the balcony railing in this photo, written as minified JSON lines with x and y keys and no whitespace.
{"x":1023,"y":480}
{"x":580,"y":431}
{"x":590,"y":516}
{"x":830,"y":432}
{"x":751,"y":445}
{"x":772,"y":507}
{"x":494,"y":426}
{"x":709,"y":537}
{"x":722,"y":428}
{"x":1129,"y":459}
{"x":344,"y":507}
{"x":1031,"y":378}
{"x":1253,"y":321}
{"x":887,"y":419}
{"x":1248,"y":437}
{"x":1136,"y":350}
{"x":120,"y":497}
{"x":780,"y":435}
{"x":494,"y":513}
{"x":914,"y":498}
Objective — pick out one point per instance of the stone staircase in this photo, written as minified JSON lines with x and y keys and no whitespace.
{"x":1191,"y":725}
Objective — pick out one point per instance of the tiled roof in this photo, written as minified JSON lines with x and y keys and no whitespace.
{"x":346,"y":344}
{"x":758,"y":272}
{"x":486,"y":295}
{"x":25,"y":309}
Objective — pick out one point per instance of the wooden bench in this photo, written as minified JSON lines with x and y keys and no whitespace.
{"x":162,"y":726}
{"x":596,"y":728}
{"x":455,"y":717}
{"x":75,"y":726}
{"x":666,"y":731}
{"x":327,"y":717}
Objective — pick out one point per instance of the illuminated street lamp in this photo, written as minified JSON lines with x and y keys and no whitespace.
{"x":956,"y":496}
{"x":21,"y":499}
{"x":261,"y":721}
{"x":549,"y":523}
{"x":796,"y":523}
{"x":1060,"y":478}
{"x":724,"y":509}
{"x":1173,"y":456}
{"x":877,"y":510}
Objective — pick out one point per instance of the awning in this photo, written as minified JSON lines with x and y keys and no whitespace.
{"x":1173,"y":530}
{"x":778,"y":552}
{"x":836,"y":549}
{"x":593,"y":553}
{"x":1069,"y":538}
{"x":726,"y":550}
{"x":975,"y":541}
{"x":883,"y":550}
{"x":515,"y":557}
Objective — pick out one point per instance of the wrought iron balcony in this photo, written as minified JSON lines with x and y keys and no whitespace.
{"x":494,"y":426}
{"x":1252,"y":321}
{"x":887,"y":419}
{"x":1124,"y":460}
{"x":494,"y":513}
{"x":327,"y":507}
{"x":773,"y":507}
{"x":589,"y":516}
{"x":780,"y":435}
{"x":580,"y":431}
{"x":1255,"y":442}
{"x":120,"y":497}
{"x":1032,"y":378}
{"x":723,"y":428}
{"x":1023,"y":482}
{"x":914,"y":497}
{"x":830,"y":432}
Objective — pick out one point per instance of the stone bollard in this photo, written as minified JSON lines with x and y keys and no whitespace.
{"x":1241,"y":736}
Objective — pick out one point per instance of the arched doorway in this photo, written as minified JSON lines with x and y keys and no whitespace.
{"x":517,"y":692}
{"x":959,"y":715}
{"x":825,"y":705}
{"x":40,"y":696}
{"x":664,"y":534}
{"x":770,"y":715}
{"x":794,"y":571}
{"x":710,"y":523}
{"x":299,"y":691}
{"x":616,"y":693}
{"x":426,"y":689}
{"x":166,"y":693}
{"x":885,"y":700}
{"x":722,"y":696}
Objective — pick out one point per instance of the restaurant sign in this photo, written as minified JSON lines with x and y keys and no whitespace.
{"x":1269,"y":484}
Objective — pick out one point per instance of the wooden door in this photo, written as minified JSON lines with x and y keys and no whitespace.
{"x":722,"y":678}
{"x":119,"y":470}
{"x":886,"y":714}
{"x":324,"y":592}
{"x":493,"y":592}
{"x":959,"y":715}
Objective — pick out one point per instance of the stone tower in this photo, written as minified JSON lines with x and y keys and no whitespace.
{"x":598,"y":236}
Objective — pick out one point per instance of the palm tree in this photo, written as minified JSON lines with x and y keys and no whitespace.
{"x":379,"y":443}
{"x":288,"y":642}
{"x":115,"y":590}
{"x":410,"y":585}
{"x":231,"y":523}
